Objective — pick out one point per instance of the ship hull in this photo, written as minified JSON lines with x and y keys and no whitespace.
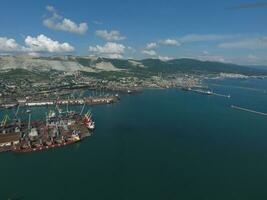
{"x":42,"y":148}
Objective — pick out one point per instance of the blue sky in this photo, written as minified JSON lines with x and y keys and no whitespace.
{"x":227,"y":31}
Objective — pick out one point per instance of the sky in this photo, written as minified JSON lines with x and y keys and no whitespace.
{"x":232,"y":31}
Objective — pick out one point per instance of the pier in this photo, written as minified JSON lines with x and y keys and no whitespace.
{"x":209,"y":92}
{"x":249,"y":110}
{"x":222,"y":95}
{"x":71,"y":101}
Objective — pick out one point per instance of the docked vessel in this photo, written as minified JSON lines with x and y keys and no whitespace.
{"x":57,"y":130}
{"x":26,"y":149}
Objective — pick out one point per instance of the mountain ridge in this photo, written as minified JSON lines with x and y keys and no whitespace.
{"x":100,"y":64}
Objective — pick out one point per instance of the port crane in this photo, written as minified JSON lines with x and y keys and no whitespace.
{"x":4,"y":120}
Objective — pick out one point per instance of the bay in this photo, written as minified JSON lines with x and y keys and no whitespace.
{"x":160,"y":144}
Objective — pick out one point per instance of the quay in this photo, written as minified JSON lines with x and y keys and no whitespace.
{"x":248,"y":110}
{"x":89,"y":100}
{"x":74,"y":101}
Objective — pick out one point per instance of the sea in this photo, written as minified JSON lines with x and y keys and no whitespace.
{"x":160,"y":145}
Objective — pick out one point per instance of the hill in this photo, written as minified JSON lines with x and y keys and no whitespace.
{"x":101,"y":67}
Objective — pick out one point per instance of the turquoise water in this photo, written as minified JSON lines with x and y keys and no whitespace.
{"x":160,"y":144}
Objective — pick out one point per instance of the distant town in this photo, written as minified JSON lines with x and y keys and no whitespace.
{"x":33,"y":79}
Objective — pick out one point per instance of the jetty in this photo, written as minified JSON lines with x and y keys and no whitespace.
{"x":249,"y":110}
{"x":221,"y":95}
{"x":209,"y":92}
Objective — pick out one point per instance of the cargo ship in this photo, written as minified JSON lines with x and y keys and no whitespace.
{"x":46,"y":147}
{"x":57,"y":130}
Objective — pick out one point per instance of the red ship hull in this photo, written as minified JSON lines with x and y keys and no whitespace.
{"x":42,"y":148}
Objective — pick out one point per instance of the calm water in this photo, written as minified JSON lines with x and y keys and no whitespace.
{"x":161,"y":144}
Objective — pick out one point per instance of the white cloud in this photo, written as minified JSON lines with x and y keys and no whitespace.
{"x":149,"y":49}
{"x":9,"y":45}
{"x":42,"y":43}
{"x":57,"y":22}
{"x":113,"y":35}
{"x":170,"y":42}
{"x":165,"y":58}
{"x":200,"y":38}
{"x":249,"y":43}
{"x":152,"y":45}
{"x":149,"y":52}
{"x":110,"y":49}
{"x":50,"y":8}
{"x":33,"y":45}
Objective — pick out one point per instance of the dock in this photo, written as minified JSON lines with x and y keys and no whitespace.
{"x":249,"y":110}
{"x":100,"y":100}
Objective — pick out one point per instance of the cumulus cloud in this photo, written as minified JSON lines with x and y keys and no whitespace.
{"x":149,"y":52}
{"x":249,"y":43}
{"x":110,"y":50}
{"x":113,"y":35}
{"x":152,"y":45}
{"x":57,"y":22}
{"x":171,"y":42}
{"x":149,"y":49}
{"x":50,"y":8}
{"x":34,"y":45}
{"x":9,"y":45}
{"x":42,"y":43}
